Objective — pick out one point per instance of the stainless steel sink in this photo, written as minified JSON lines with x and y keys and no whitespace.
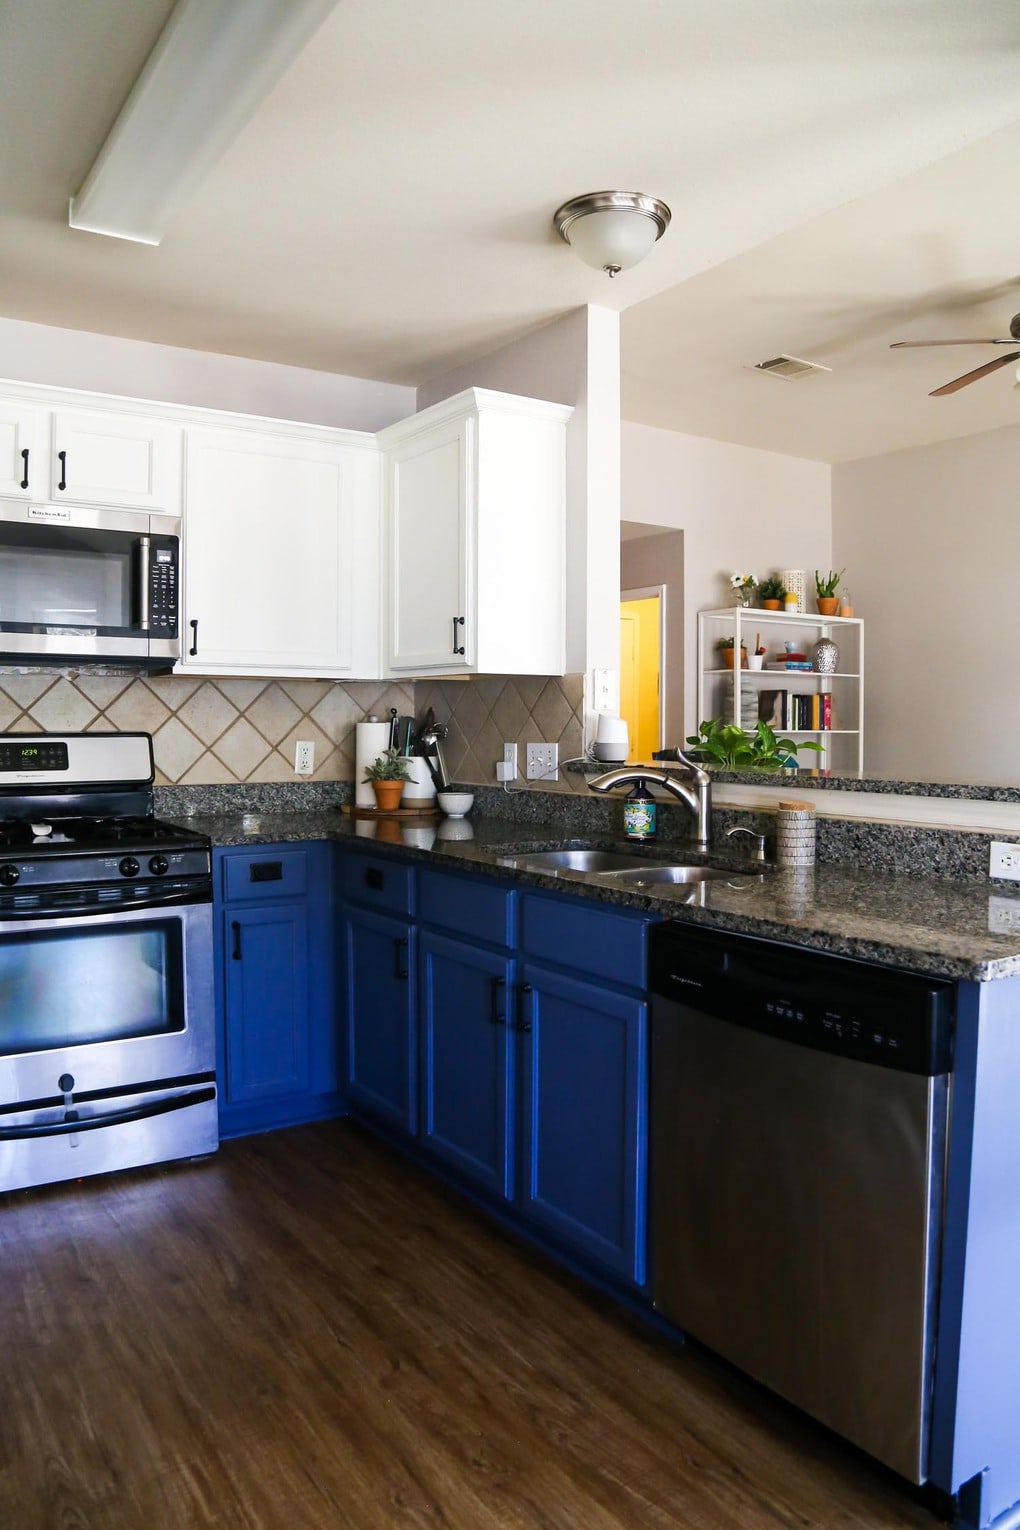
{"x":553,"y":861}
{"x":653,"y":876}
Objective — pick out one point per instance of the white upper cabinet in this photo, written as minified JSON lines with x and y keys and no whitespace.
{"x":60,"y":447}
{"x":475,"y":512}
{"x":23,"y":465}
{"x":115,"y":459}
{"x":281,"y":552}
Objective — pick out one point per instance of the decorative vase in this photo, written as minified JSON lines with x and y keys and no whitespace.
{"x":825,"y":657}
{"x":387,"y":795}
{"x":828,"y":605}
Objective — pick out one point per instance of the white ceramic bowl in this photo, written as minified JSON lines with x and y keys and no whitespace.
{"x":455,"y":804}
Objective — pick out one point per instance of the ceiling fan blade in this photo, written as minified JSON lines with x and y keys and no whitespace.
{"x":969,"y":377}
{"x":897,"y":345}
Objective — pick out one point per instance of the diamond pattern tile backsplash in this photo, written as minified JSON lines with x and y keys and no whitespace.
{"x":216,"y":731}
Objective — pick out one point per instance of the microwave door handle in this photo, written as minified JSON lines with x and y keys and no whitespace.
{"x":144,"y":583}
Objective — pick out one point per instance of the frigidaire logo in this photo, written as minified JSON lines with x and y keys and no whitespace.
{"x":688,"y":982}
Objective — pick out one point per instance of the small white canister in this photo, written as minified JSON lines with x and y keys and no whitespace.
{"x":795,"y":834}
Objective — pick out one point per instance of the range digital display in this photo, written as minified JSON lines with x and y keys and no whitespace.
{"x":22,"y":756}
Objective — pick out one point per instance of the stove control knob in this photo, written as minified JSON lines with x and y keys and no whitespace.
{"x":129,"y":866}
{"x":158,"y":865}
{"x":9,"y":874}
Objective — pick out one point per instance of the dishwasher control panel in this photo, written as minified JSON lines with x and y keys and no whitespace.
{"x":834,"y":1004}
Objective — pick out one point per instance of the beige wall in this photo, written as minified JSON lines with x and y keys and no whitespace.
{"x":931,"y":541}
{"x":739,"y":509}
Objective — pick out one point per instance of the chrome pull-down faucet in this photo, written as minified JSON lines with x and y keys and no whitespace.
{"x":698,"y":796}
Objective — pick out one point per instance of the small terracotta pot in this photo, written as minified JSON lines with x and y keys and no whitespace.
{"x":727,"y":657}
{"x":387,"y":795}
{"x":827,"y":605}
{"x":770,"y":605}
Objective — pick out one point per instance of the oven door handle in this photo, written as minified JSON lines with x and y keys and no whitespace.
{"x":112,"y":1118}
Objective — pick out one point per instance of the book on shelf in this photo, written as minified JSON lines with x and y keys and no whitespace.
{"x":796,"y":711}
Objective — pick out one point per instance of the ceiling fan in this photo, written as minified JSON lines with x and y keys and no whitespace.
{"x":989,"y":366}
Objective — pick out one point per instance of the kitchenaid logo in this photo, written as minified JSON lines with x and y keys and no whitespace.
{"x":48,"y":513}
{"x":686,"y":981}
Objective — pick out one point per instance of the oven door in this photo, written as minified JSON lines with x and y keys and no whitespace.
{"x":88,"y":584}
{"x":107,"y":1042}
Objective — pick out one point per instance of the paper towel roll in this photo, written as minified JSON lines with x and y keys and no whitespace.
{"x":370,"y":739}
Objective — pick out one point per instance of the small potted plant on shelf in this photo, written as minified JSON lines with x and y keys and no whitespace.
{"x":825,"y":590}
{"x":772,"y":593}
{"x":387,"y":774}
{"x":727,"y":647}
{"x":729,"y":747}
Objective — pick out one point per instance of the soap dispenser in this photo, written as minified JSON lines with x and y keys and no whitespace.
{"x":639,"y":813}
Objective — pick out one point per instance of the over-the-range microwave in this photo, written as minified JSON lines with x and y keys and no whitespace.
{"x":88,"y":586}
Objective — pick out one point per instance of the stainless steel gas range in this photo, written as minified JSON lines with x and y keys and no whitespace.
{"x":107,"y":1034}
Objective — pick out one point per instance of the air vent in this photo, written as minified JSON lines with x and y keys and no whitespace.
{"x":789,"y":367}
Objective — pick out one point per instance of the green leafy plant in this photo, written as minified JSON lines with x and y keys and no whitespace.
{"x":388,"y":766}
{"x":827,"y":587}
{"x":728,"y":643}
{"x":727,"y":745}
{"x":771,"y":589}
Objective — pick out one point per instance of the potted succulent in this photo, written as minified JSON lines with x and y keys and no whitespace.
{"x":825,"y":590}
{"x":772,"y":593}
{"x":727,"y":647}
{"x":724,"y":744}
{"x":387,"y":774}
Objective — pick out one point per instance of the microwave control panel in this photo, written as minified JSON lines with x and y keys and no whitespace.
{"x":163,"y":587}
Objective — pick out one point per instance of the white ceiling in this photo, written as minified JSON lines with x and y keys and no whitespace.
{"x":840,"y":174}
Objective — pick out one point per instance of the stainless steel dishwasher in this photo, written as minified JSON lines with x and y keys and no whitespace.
{"x":799,"y":1120}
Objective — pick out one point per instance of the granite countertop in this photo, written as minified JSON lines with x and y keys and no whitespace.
{"x":926,"y":924}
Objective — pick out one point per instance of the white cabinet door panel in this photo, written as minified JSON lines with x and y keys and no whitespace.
{"x":22,"y":431}
{"x":115,"y":459}
{"x":266,"y":554}
{"x":428,"y":556}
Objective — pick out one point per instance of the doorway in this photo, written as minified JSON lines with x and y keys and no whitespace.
{"x":641,"y":623}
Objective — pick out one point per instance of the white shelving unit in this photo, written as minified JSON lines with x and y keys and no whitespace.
{"x":736,"y":694}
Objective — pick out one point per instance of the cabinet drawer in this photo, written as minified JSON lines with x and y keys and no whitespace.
{"x":585,"y":938}
{"x":269,"y":872}
{"x":467,"y":906}
{"x":377,"y":882}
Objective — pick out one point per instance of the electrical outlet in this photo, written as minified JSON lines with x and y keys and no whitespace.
{"x":543,"y":762}
{"x":304,"y":757}
{"x":1004,"y":861}
{"x":1003,"y":915}
{"x":509,"y":761}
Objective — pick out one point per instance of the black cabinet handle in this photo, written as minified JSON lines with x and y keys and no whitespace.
{"x":400,"y":959}
{"x":458,"y":621}
{"x":495,"y":1017}
{"x":523,"y":1024}
{"x":193,"y":650}
{"x":236,"y":927}
{"x":24,"y":458}
{"x":62,"y":459}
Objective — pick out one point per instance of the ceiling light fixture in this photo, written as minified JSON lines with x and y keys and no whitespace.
{"x":213,"y":64}
{"x":612,"y":230}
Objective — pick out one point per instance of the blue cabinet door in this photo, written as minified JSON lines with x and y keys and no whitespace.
{"x":467,"y":1051}
{"x":265,"y":963}
{"x":380,"y":1009}
{"x":583,"y":1117}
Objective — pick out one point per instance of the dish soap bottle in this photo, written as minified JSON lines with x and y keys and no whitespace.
{"x":639,"y":814}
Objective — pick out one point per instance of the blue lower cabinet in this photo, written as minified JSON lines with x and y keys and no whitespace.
{"x":584,"y":1090}
{"x":277,"y":1043}
{"x":467,"y":1056}
{"x":380,"y":1005}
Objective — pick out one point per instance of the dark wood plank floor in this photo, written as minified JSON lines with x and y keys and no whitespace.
{"x":307,"y":1332}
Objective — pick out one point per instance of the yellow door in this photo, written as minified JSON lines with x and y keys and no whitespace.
{"x":639,"y":674}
